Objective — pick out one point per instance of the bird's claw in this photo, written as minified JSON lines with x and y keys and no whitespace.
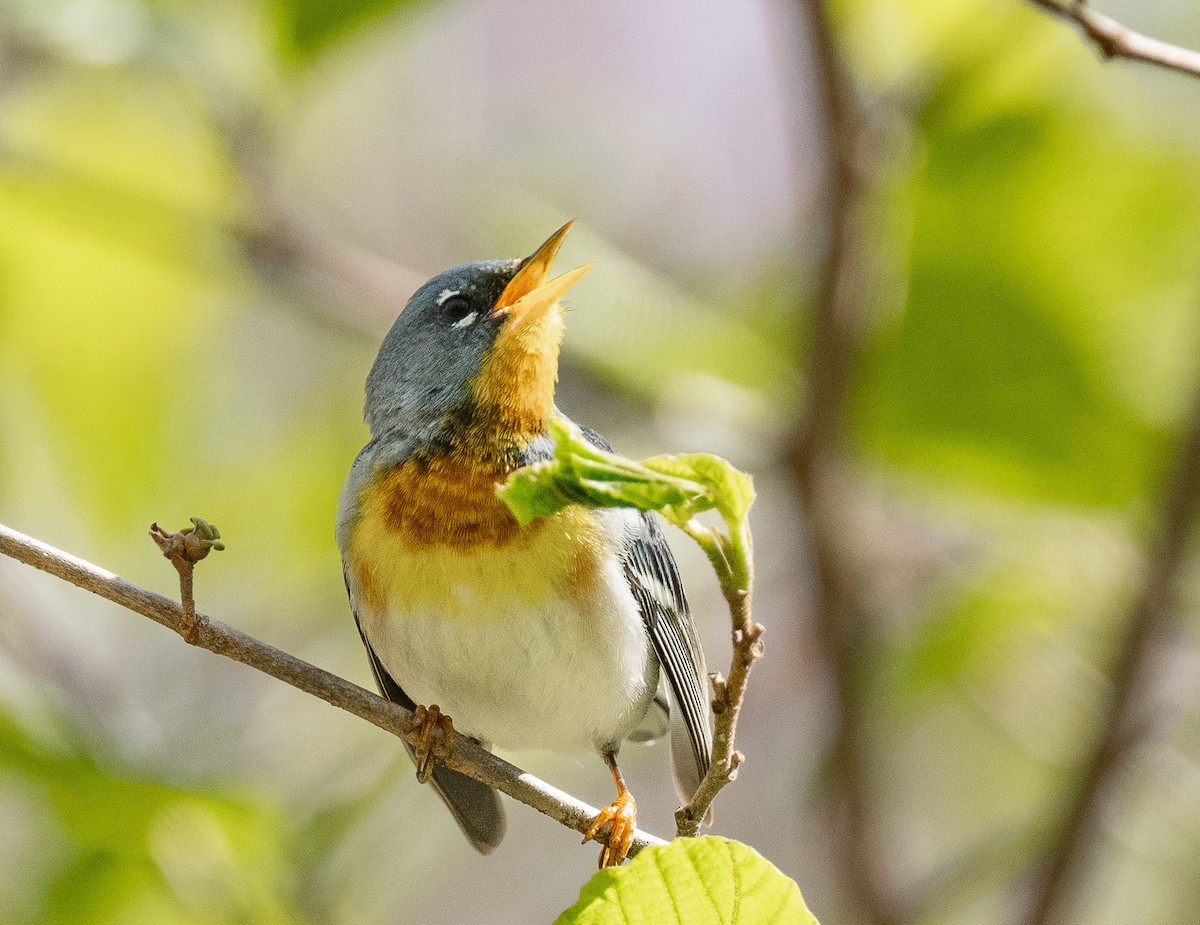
{"x":428,"y":750}
{"x":622,"y":813}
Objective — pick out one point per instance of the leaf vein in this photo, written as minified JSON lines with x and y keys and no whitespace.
{"x":667,"y":886}
{"x":704,"y":886}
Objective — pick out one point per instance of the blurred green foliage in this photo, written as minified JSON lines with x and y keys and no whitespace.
{"x":136,"y":850}
{"x":308,"y":26}
{"x":1030,"y":344}
{"x":110,"y":234}
{"x":1041,"y":349}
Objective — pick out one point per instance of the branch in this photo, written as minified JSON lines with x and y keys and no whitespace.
{"x":836,"y":308}
{"x":732,"y":559}
{"x":184,"y":549}
{"x":1113,"y":40}
{"x":817,"y":461}
{"x":1148,"y":619}
{"x":468,"y":757}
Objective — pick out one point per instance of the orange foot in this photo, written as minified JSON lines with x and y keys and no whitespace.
{"x":427,"y":749}
{"x":622,"y":813}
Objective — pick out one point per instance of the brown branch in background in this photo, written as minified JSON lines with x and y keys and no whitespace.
{"x":1120,"y":734}
{"x":835,"y":306}
{"x":817,"y":466}
{"x":468,"y":757}
{"x":1114,"y":40}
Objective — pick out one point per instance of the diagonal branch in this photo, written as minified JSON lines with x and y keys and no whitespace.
{"x":468,"y":757}
{"x":1148,"y":620}
{"x":1114,"y":40}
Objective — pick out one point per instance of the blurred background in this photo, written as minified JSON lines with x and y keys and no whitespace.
{"x":929,"y":270}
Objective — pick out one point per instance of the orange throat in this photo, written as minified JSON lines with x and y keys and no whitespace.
{"x":432,"y":506}
{"x":513,"y":396}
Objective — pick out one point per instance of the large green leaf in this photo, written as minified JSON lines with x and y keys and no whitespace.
{"x":691,"y":881}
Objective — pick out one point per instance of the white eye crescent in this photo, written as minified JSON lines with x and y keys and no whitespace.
{"x":456,"y":308}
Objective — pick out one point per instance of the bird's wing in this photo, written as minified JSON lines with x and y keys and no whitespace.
{"x":654,"y":580}
{"x":475,"y":806}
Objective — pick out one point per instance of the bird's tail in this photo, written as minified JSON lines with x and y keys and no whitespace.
{"x":475,"y":806}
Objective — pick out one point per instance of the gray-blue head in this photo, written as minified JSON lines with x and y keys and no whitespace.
{"x":476,"y":346}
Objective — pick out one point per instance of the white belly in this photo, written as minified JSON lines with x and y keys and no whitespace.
{"x":567,"y":672}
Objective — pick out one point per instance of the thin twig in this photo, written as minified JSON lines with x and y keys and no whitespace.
{"x":1148,"y":621}
{"x":735,"y":572}
{"x":816,"y":459}
{"x":468,"y":757}
{"x":1114,"y":40}
{"x":184,"y":549}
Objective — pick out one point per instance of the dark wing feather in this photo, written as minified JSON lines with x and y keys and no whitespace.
{"x":654,"y":580}
{"x":475,"y":806}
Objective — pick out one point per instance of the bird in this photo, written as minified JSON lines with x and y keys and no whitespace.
{"x":571,"y":634}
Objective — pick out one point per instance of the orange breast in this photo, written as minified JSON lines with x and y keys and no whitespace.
{"x":432,"y":536}
{"x":447,"y":501}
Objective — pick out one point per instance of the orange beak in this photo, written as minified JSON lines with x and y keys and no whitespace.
{"x":530,"y":292}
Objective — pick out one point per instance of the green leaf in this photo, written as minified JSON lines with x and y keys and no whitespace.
{"x":978,"y":633}
{"x":533,"y":492}
{"x":697,"y":881}
{"x":731,"y":489}
{"x":678,"y":487}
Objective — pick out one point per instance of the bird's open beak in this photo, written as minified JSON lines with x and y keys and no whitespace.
{"x":530,"y":291}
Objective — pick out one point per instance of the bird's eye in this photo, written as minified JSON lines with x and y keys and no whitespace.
{"x":456,"y":310}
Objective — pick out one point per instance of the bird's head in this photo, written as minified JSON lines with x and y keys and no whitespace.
{"x":476,"y":346}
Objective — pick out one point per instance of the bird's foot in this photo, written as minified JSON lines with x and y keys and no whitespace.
{"x":428,"y":749}
{"x":622,"y":813}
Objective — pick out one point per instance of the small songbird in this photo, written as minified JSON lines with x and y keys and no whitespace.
{"x":546,"y":636}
